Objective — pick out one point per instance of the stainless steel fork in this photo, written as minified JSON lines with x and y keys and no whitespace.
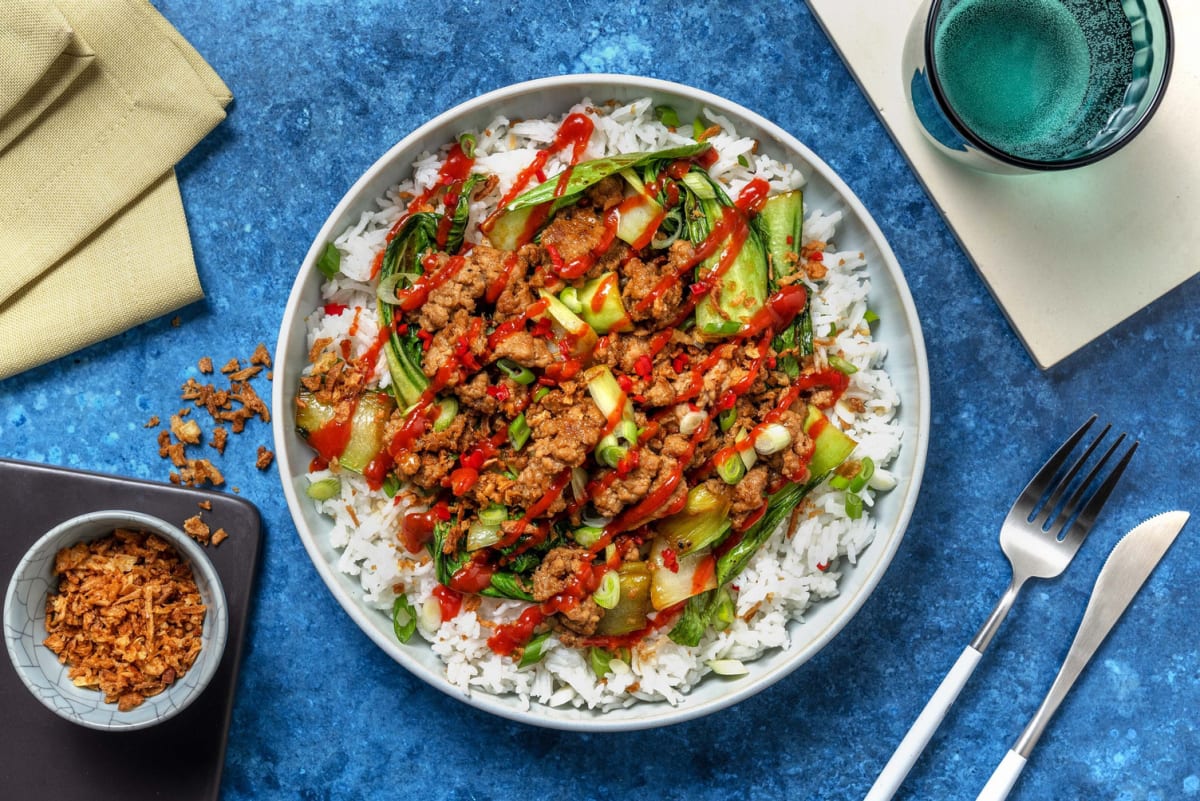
{"x":1040,"y":536}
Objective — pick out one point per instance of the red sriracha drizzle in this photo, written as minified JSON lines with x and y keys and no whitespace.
{"x":726,"y":239}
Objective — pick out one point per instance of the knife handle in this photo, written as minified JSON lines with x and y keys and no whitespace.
{"x":1003,"y":778}
{"x":922,"y":730}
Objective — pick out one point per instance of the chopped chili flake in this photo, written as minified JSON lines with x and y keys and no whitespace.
{"x":473,"y":459}
{"x":426,"y":339}
{"x":442,"y":511}
{"x":402,"y":328}
{"x":699,"y":288}
{"x":628,"y":463}
{"x":670,"y":562}
{"x":643,"y":366}
{"x":822,"y":566}
{"x":499,"y":391}
{"x":334,"y":309}
{"x":639,"y":398}
{"x":771,"y":362}
{"x":625,"y":383}
{"x":680,"y":362}
{"x":818,"y":256}
{"x":790,"y":239}
{"x":542,"y":328}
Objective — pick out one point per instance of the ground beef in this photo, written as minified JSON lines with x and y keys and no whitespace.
{"x":642,"y":278}
{"x":480,"y":267}
{"x":557,"y":574}
{"x":565,"y":426}
{"x":444,"y":346}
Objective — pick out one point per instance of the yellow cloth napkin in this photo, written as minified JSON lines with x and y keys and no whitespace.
{"x":93,"y":238}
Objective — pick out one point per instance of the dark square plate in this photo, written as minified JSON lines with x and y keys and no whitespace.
{"x":44,"y":756}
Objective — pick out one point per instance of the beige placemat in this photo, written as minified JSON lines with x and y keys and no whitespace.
{"x":1066,"y":255}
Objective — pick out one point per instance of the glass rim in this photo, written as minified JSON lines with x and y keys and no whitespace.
{"x":1034,"y":164}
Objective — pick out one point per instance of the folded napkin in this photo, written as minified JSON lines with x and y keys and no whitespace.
{"x":98,"y":101}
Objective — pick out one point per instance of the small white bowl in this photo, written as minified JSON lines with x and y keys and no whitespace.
{"x":46,"y":677}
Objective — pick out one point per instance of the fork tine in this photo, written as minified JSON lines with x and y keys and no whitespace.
{"x":1051,"y":506}
{"x":1037,"y":486}
{"x":1091,"y":510}
{"x":1068,"y":509}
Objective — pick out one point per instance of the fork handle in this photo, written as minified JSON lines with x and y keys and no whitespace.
{"x":922,"y":730}
{"x":1003,"y":779}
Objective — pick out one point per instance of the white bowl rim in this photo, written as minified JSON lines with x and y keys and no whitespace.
{"x":656,"y":714}
{"x":217,"y":616}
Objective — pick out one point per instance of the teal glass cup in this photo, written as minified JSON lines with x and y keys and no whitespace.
{"x":1027,"y":86}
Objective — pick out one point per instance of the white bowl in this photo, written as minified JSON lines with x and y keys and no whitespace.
{"x":898,"y":328}
{"x":46,"y":677}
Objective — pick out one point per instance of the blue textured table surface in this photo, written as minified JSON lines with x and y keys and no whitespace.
{"x":321,"y":90}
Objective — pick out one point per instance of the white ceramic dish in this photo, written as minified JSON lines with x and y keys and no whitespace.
{"x":899,"y":328}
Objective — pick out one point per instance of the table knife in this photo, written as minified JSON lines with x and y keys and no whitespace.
{"x":1123,"y":574}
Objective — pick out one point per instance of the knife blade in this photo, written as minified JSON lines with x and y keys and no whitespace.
{"x":1125,"y":571}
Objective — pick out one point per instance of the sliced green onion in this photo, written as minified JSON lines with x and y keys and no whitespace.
{"x":518,"y":432}
{"x":725,"y":419}
{"x":324,"y":489}
{"x":627,"y":430}
{"x":600,"y":660}
{"x":511,"y":473}
{"x":698,"y":128}
{"x":742,"y":160}
{"x":690,"y":422}
{"x":482,"y":535}
{"x":467,"y":143}
{"x":404,"y":619}
{"x":732,"y":469}
{"x":330,"y":262}
{"x":728,"y":667}
{"x":447,"y":411}
{"x":866,"y":469}
{"x":517,"y":372}
{"x":609,"y":592}
{"x":833,"y":329}
{"x":870,"y":317}
{"x":533,"y":650}
{"x":494,"y":514}
{"x":391,"y":485}
{"x":667,"y":116}
{"x":841,"y":365}
{"x":587,"y":536}
{"x":541,"y":393}
{"x":854,"y":506}
{"x":838,"y":481}
{"x":772,"y":439}
{"x":610,"y":455}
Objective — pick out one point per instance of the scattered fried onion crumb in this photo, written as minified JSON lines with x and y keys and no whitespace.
{"x":205,"y":364}
{"x":218,"y":536}
{"x":198,"y":472}
{"x":197,"y":529}
{"x":261,"y":356}
{"x":152,"y":422}
{"x":205,"y":505}
{"x":265,"y":457}
{"x":219,"y":438}
{"x":186,"y":431}
{"x":127,"y":616}
{"x":231,"y":366}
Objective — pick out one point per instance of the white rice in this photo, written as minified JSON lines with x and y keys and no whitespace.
{"x":781,"y":581}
